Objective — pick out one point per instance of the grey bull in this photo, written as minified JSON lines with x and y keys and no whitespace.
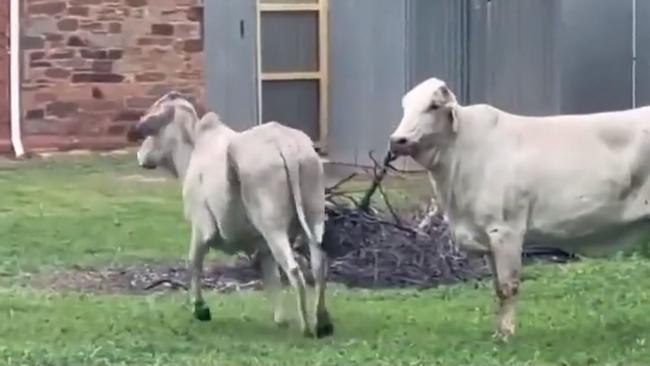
{"x":579,"y":182}
{"x":253,"y":191}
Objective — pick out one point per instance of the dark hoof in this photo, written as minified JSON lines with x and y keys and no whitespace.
{"x":307,"y":333}
{"x":202,"y":312}
{"x":324,"y":330}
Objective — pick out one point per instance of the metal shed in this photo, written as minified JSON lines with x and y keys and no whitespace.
{"x":338,"y":68}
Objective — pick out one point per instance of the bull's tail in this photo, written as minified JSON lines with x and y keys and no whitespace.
{"x":292,"y":166}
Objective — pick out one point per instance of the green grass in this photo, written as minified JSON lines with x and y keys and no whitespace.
{"x":86,"y":211}
{"x":83,"y":211}
{"x":584,"y":314}
{"x":405,"y":193}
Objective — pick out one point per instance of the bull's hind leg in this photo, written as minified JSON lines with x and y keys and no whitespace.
{"x":324,"y":325}
{"x":278,"y":243}
{"x":268,"y":204}
{"x":273,"y":287}
{"x":312,"y":187}
{"x":198,"y":249}
{"x":505,"y":261}
{"x":318,"y":264}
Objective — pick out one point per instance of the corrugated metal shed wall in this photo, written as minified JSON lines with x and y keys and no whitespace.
{"x":596,"y":55}
{"x":531,"y":57}
{"x":643,"y":52}
{"x":437,"y":43}
{"x":367,"y":76}
{"x":513,"y":55}
{"x":542,"y":57}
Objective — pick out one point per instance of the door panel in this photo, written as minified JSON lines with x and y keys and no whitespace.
{"x":292,"y":102}
{"x":230,"y":58}
{"x":292,"y":53}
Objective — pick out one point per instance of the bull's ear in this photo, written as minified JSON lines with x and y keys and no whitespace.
{"x":151,"y":124}
{"x":446,"y":95}
{"x":444,"y":91}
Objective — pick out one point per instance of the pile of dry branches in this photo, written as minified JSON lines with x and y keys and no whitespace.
{"x":368,"y":248}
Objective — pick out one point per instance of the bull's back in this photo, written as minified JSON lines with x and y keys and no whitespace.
{"x":271,"y":137}
{"x":588,"y":176}
{"x":260,"y":154}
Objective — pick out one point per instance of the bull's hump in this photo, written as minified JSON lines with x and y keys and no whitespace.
{"x":275,"y":132}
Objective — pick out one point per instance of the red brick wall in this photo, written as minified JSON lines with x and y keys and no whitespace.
{"x":92,"y":66}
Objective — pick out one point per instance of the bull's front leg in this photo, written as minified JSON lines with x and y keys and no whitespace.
{"x":505,"y":262}
{"x":198,"y":249}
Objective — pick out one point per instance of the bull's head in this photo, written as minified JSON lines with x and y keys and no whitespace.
{"x":427,"y":118}
{"x":157,"y":141}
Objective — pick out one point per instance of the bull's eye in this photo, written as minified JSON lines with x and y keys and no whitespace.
{"x":433,"y":106}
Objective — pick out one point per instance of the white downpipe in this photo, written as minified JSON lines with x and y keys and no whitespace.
{"x":633,"y":53}
{"x":14,"y":74}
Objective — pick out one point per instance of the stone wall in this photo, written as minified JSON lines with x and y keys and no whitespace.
{"x":91,"y":67}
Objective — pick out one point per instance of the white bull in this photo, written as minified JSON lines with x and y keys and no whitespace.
{"x":251,"y":191}
{"x":573,"y":181}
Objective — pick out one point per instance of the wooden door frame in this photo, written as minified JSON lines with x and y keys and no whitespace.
{"x":322,"y":75}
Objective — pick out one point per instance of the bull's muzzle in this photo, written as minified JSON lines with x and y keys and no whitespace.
{"x":144,"y":162}
{"x":400,"y":145}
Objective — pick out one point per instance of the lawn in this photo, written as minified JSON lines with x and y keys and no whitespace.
{"x":65,"y":213}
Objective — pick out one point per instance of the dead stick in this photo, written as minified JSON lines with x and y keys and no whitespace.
{"x":377,"y":179}
{"x":166,"y":280}
{"x":390,"y":207}
{"x":329,"y":190}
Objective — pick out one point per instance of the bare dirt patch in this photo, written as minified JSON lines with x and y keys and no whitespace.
{"x":140,"y":178}
{"x":223,"y":277}
{"x":364,"y":250}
